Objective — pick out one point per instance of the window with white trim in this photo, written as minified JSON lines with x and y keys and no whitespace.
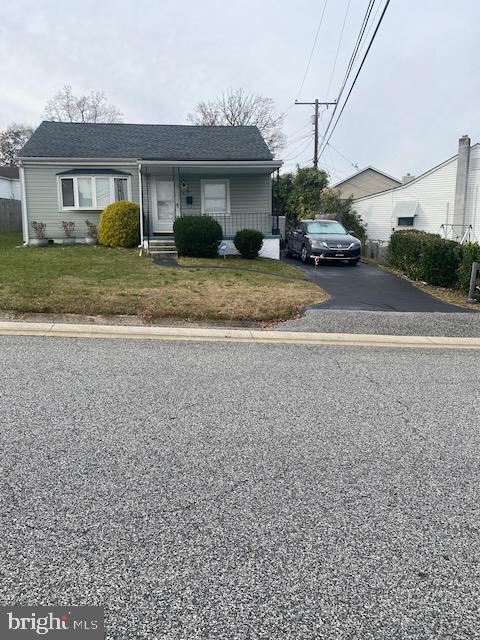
{"x":216,"y":197}
{"x":92,"y":192}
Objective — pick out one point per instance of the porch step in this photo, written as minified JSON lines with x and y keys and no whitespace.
{"x":162,"y":243}
{"x":165,"y":249}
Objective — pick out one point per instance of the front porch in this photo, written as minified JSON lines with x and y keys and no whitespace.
{"x":237,"y":197}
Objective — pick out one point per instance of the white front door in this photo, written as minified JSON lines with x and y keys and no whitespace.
{"x":164,"y":206}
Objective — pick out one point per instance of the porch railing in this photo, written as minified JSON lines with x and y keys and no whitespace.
{"x":264,"y":222}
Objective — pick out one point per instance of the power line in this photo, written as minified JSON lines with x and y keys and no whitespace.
{"x":350,"y":65}
{"x":358,"y":72}
{"x":290,"y":141}
{"x":354,"y":164}
{"x":338,"y":49}
{"x":299,"y":153}
{"x":313,"y":49}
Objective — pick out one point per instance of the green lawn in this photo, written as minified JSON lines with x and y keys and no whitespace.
{"x":98,"y":281}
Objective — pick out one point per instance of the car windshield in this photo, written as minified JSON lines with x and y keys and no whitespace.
{"x":325,"y":226}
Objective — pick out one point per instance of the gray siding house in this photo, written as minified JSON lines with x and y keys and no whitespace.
{"x":71,"y":171}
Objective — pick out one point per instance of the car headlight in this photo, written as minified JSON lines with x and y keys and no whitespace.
{"x":354,"y":245}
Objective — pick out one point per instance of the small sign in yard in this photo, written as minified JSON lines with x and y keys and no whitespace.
{"x":222,"y":248}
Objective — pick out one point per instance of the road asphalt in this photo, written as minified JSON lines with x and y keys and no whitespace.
{"x":242,"y":491}
{"x":391,"y":323}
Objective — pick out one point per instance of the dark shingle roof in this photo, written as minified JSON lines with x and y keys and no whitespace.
{"x":145,"y":141}
{"x":9,"y":172}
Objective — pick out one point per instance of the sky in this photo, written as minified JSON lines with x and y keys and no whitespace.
{"x":417,"y":93}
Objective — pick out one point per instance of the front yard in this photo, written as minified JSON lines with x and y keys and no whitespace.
{"x":101,"y":281}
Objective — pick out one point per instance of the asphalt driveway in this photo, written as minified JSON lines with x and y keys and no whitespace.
{"x":369,"y":288}
{"x":242,"y":491}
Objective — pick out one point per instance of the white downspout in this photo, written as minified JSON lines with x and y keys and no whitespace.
{"x":141,"y":202}
{"x":23,"y":195}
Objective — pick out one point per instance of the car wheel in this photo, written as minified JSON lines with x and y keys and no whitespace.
{"x":304,"y":255}
{"x":353,"y":263}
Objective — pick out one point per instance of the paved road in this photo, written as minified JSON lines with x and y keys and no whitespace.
{"x":385,"y":323}
{"x":242,"y":491}
{"x":368,"y":288}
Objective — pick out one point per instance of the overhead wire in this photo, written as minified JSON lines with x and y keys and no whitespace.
{"x":337,"y":51}
{"x":350,"y":66}
{"x":382,"y":15}
{"x":313,"y":49}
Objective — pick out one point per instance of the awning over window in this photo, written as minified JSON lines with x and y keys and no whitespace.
{"x":406,"y":209}
{"x":91,"y":172}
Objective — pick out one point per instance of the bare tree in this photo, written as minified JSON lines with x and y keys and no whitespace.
{"x":238,"y":107}
{"x":12,"y":140}
{"x":66,"y":107}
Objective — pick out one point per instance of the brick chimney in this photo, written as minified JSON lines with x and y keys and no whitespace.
{"x":461,"y":185}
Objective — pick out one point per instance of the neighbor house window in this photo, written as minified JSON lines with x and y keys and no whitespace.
{"x":92,"y":192}
{"x":215,"y":197}
{"x":405,"y":222}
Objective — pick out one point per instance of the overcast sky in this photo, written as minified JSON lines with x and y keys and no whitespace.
{"x":416,"y":95}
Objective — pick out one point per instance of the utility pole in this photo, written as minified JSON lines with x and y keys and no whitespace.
{"x":316,"y":104}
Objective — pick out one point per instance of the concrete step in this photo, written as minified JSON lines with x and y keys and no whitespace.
{"x":163,"y":254}
{"x":161,"y":243}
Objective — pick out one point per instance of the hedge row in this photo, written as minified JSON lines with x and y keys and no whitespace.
{"x":433,"y":259}
{"x":470,"y":254}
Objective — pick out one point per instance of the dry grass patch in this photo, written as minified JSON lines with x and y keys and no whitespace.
{"x":102,"y":281}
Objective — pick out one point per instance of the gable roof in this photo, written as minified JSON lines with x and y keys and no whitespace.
{"x":358,"y":173}
{"x":145,"y":142}
{"x":420,"y":177}
{"x":9,"y":172}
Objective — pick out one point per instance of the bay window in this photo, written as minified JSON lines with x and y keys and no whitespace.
{"x":216,"y":197}
{"x":92,"y":192}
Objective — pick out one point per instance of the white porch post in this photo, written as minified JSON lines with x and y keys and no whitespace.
{"x":140,"y":197}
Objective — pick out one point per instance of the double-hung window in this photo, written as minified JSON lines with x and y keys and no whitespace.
{"x":216,"y":197}
{"x":92,"y":192}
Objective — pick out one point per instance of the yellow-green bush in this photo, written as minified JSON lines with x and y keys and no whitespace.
{"x":120,"y":225}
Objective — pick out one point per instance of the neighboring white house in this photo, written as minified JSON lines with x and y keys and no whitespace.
{"x":443,"y":200}
{"x":9,"y":183}
{"x":365,"y":182}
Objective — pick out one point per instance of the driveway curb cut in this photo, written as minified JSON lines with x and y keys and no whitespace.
{"x":64,"y":330}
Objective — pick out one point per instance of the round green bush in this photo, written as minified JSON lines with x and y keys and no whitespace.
{"x":248,"y":243}
{"x":120,"y":225}
{"x":197,"y":236}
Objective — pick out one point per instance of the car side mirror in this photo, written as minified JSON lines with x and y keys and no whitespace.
{"x":351,"y":233}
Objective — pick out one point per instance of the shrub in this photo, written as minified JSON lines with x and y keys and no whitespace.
{"x":197,"y":236}
{"x":68,"y":228}
{"x":39,"y":229}
{"x":91,"y":229}
{"x":120,"y":225}
{"x":470,"y":254}
{"x":426,"y":256}
{"x":248,"y":243}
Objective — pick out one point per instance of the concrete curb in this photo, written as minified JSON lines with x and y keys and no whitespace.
{"x":62,"y":330}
